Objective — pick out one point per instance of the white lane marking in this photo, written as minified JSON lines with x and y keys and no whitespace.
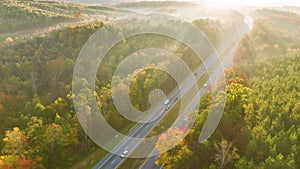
{"x":113,"y":161}
{"x":147,"y":126}
{"x":138,"y":136}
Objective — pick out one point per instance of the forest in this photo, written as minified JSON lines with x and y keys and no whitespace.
{"x":18,"y":17}
{"x":260,"y":125}
{"x":39,"y":127}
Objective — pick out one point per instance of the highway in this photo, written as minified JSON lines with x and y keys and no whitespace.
{"x":149,"y":163}
{"x":141,"y":130}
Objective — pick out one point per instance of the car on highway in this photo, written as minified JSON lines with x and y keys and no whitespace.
{"x":124,"y":153}
{"x":167,"y":101}
{"x":167,"y":107}
{"x":205,"y":85}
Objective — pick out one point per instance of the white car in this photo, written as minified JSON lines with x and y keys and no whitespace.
{"x":124,"y":153}
{"x":205,"y":85}
{"x":166,"y":102}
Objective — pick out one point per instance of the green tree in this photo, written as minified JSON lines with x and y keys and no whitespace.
{"x":175,"y":158}
{"x":56,"y":139}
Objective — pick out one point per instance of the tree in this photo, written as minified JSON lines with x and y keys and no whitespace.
{"x":169,"y":139}
{"x":209,"y":28}
{"x":34,"y":131}
{"x":245,"y":53}
{"x":9,"y":40}
{"x":174,"y":153}
{"x":15,"y":142}
{"x":77,"y":14}
{"x":55,"y":137}
{"x":177,"y":157}
{"x":225,"y":153}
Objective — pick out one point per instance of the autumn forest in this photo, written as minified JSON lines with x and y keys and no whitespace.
{"x":41,"y":40}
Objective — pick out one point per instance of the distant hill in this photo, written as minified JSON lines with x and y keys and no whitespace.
{"x":92,"y":1}
{"x":295,"y":9}
{"x":185,"y":10}
{"x":20,"y":15}
{"x":136,"y":4}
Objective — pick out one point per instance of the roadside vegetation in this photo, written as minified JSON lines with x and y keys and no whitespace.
{"x":260,"y":125}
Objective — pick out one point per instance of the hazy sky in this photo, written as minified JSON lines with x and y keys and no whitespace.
{"x":219,"y":3}
{"x":238,"y":3}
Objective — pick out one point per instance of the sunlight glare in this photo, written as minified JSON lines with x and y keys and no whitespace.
{"x":242,"y":3}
